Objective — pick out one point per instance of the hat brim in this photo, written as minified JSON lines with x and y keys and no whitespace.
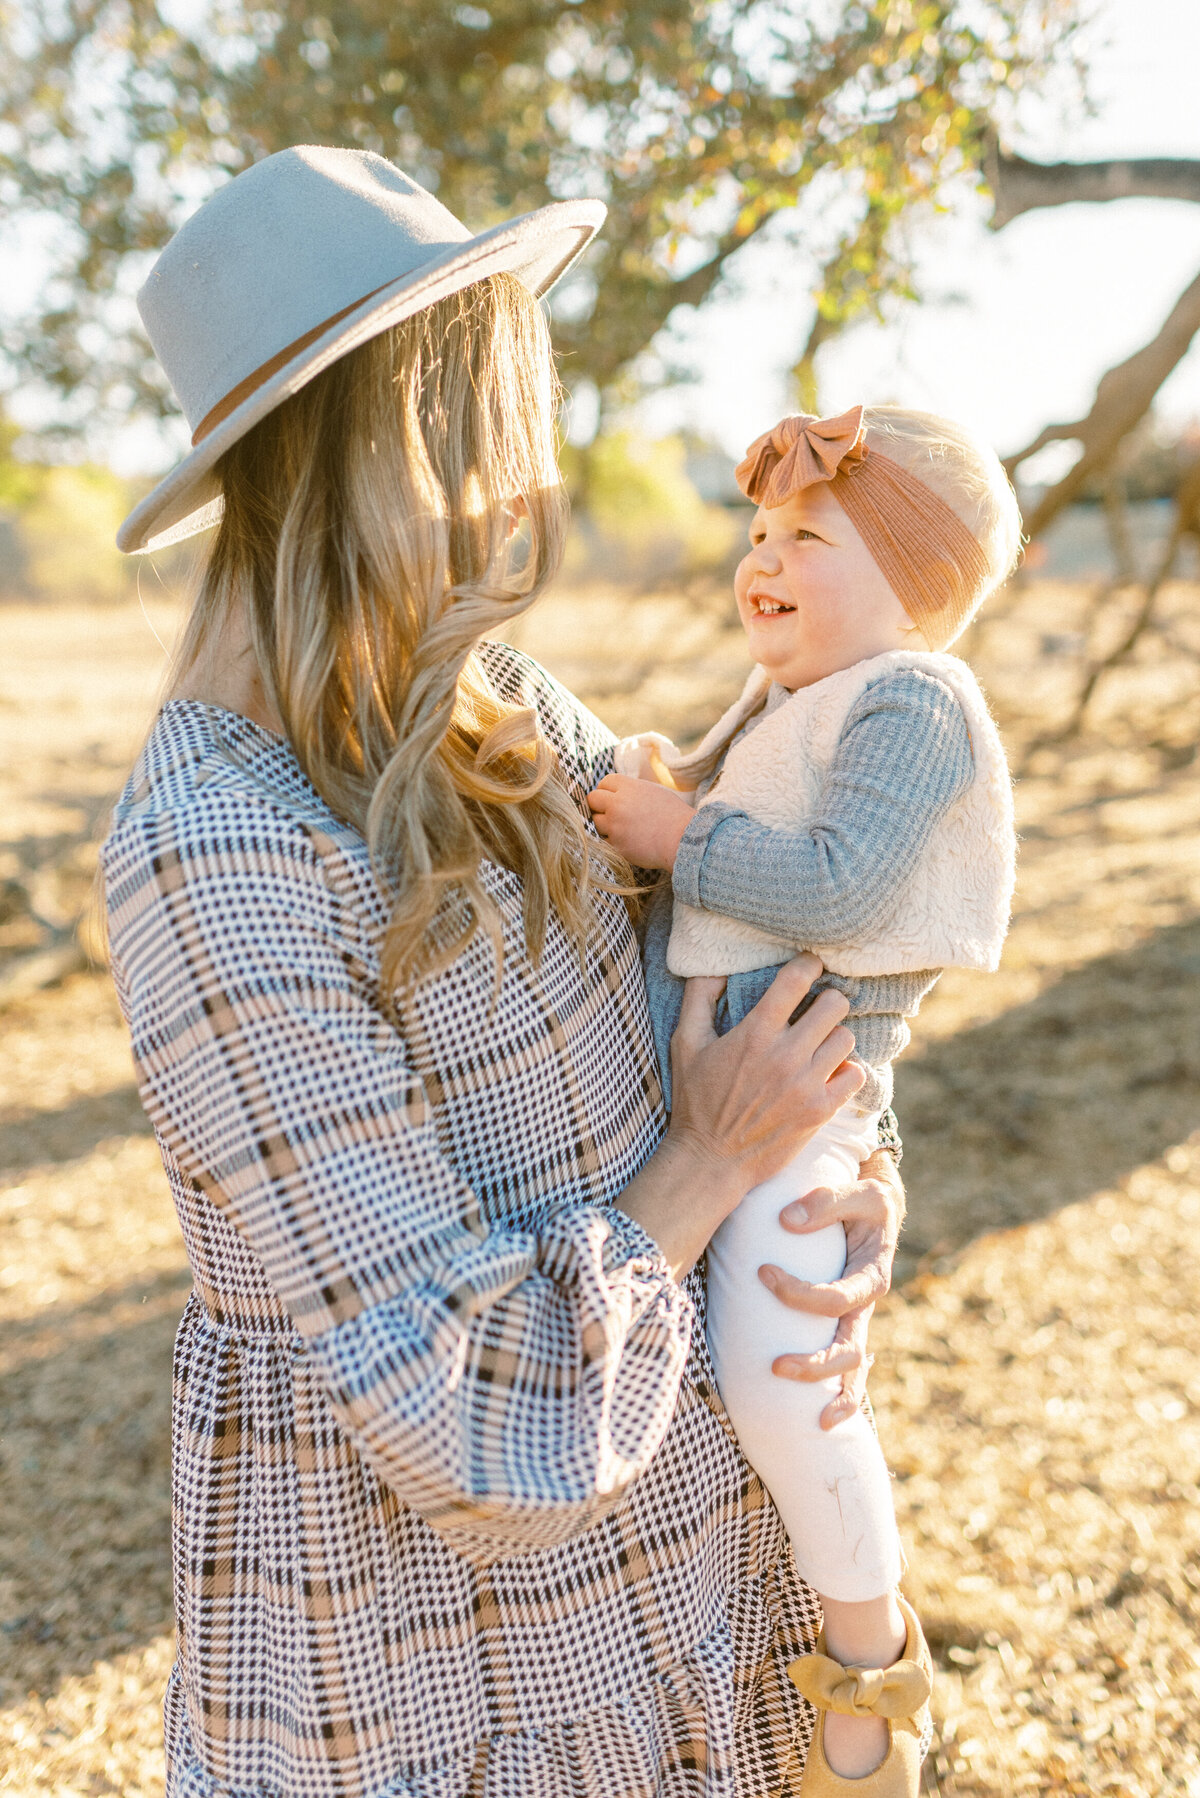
{"x":538,"y":248}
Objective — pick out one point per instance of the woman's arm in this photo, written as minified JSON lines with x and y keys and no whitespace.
{"x":742,"y":1105}
{"x":508,"y":1384}
{"x":903,"y":759}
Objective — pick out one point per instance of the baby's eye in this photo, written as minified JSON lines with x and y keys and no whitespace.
{"x":802,"y":535}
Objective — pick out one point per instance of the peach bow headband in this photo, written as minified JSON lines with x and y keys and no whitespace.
{"x":935,"y":566}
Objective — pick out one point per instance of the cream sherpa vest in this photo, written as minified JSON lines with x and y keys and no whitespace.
{"x":952,"y":911}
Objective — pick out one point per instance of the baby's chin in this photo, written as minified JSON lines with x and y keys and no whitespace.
{"x":801,"y":667}
{"x":776,"y":637}
{"x":793,"y":660}
{"x":779,"y":643}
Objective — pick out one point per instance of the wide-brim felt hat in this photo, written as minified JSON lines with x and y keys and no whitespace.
{"x":291,"y":265}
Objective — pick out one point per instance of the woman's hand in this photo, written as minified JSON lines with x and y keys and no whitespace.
{"x":872,"y":1211}
{"x":743,"y":1105}
{"x":641,"y":819}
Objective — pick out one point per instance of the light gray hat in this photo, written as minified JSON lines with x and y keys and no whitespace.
{"x":293,"y":263}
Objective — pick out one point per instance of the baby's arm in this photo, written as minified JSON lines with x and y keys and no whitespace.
{"x":903,"y":759}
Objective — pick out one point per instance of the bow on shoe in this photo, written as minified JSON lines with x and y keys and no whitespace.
{"x":896,"y":1692}
{"x":799,"y":452}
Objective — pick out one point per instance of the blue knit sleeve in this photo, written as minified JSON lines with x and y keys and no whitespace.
{"x":903,"y":759}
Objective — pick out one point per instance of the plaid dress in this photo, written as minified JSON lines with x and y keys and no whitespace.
{"x":457,"y":1511}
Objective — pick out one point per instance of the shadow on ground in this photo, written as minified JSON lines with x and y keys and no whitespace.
{"x":30,"y":1138}
{"x":1053,"y":1099}
{"x":85,"y":1482}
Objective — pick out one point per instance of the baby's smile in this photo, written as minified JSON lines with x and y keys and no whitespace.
{"x":766,"y":607}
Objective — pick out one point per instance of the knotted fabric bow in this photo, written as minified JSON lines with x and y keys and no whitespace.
{"x":799,"y":452}
{"x":897,"y":1692}
{"x":935,"y":566}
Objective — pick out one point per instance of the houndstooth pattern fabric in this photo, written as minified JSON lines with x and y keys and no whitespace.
{"x":457,"y":1511}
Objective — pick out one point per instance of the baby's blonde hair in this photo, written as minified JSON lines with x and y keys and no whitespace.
{"x":962,"y":470}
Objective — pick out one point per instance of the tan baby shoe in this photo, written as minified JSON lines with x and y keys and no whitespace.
{"x":899,"y":1693}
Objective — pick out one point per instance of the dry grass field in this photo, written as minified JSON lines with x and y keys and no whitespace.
{"x":1038,"y":1372}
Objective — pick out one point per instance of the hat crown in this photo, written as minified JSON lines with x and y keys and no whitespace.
{"x":289,"y":243}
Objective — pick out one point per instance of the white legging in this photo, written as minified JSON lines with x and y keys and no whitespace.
{"x":831,"y":1487}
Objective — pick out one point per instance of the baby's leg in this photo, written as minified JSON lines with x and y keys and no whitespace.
{"x":831,"y":1487}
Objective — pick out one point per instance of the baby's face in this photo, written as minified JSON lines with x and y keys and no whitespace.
{"x":811,"y":597}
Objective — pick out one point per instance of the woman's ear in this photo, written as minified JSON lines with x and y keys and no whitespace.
{"x":518,"y":512}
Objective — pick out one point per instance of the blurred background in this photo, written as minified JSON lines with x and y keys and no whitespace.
{"x":985,"y":207}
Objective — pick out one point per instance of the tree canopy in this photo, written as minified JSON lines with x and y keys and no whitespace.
{"x":701,"y":122}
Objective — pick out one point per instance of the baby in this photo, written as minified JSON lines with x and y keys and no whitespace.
{"x":862,"y":810}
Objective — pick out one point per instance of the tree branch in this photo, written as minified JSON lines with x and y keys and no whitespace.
{"x":613,"y":339}
{"x":1020,"y":186}
{"x":1123,"y":398}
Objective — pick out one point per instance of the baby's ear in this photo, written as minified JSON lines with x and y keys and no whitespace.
{"x":914,"y":636}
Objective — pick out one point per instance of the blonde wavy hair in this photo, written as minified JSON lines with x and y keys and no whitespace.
{"x":377,"y":525}
{"x":962,"y":470}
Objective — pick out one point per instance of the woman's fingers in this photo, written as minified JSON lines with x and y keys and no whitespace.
{"x":817,"y":1038}
{"x":840,"y":1359}
{"x":829,"y":1055}
{"x":852,"y":1334}
{"x":870,"y":1211}
{"x":833,"y":1298}
{"x":865,"y":1202}
{"x":697,"y":1012}
{"x":754,"y":1096}
{"x":843,"y":1085}
{"x":870,"y":1250}
{"x":786,"y":991}
{"x":845,"y":1358}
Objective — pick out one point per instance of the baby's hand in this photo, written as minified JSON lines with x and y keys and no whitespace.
{"x":640,"y":819}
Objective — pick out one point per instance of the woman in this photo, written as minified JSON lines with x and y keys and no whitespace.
{"x":457,"y":1510}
